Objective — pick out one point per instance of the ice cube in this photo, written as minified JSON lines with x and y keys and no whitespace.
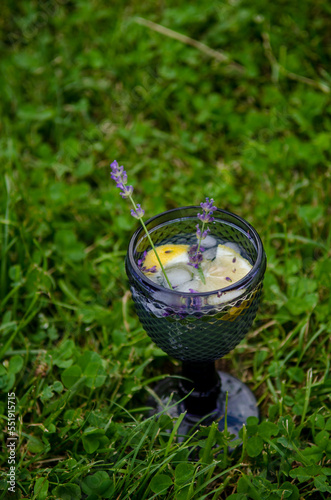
{"x":179,"y":275}
{"x":210,"y":254}
{"x":157,"y":278}
{"x":208,"y":242}
{"x":188,"y":286}
{"x":234,"y":246}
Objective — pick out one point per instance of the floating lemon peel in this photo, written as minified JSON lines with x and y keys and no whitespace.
{"x":169,"y":255}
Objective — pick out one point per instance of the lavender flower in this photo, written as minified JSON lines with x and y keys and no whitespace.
{"x":195,"y":257}
{"x":141,"y":264}
{"x":201,"y":235}
{"x":206,"y":217}
{"x":148,"y":270}
{"x":119,"y":175}
{"x":142,"y":260}
{"x":139,"y":213}
{"x":195,"y":252}
{"x":208,"y":206}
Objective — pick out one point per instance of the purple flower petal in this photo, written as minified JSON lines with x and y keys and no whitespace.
{"x":207,"y":206}
{"x":139,"y":213}
{"x":127,"y":191}
{"x":204,"y":234}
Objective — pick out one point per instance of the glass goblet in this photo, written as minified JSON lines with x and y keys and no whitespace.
{"x":199,"y":328}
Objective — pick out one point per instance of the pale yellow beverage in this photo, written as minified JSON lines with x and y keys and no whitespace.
{"x":222,"y":266}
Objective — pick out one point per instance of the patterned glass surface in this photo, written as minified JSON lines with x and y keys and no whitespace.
{"x":199,"y":327}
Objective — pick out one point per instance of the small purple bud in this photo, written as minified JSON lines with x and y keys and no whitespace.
{"x":139,"y":213}
{"x":127,"y":191}
{"x":114,"y":165}
{"x":206,"y":217}
{"x":119,"y":175}
{"x":116,"y":170}
{"x":202,"y":217}
{"x":228,"y":279}
{"x":204,"y":234}
{"x":143,"y":257}
{"x":207,"y":206}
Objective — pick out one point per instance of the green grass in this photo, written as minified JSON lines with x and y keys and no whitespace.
{"x":82,"y":83}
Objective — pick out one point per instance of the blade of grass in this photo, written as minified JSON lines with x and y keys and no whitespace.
{"x":307,"y":394}
{"x":300,"y":239}
{"x":24,"y":322}
{"x":3,"y":282}
{"x":218,"y":55}
{"x":243,"y":450}
{"x":310,"y":342}
{"x":174,"y":432}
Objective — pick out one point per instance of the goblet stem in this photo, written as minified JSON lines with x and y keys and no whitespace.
{"x":202,"y":386}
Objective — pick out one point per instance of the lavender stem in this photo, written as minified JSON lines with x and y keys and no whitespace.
{"x":152,"y":244}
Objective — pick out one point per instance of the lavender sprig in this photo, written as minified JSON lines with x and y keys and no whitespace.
{"x":195,"y":252}
{"x":119,"y":175}
{"x":195,"y":257}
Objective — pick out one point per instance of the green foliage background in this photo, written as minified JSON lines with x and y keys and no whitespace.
{"x":83,"y":83}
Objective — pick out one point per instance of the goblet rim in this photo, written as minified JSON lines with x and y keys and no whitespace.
{"x":238,"y":285}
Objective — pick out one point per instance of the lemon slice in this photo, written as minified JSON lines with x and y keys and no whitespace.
{"x":227,"y":268}
{"x":169,"y":255}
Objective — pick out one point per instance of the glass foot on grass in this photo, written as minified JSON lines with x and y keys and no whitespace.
{"x":241,"y":405}
{"x":198,"y":328}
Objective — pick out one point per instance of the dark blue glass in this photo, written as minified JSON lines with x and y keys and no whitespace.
{"x":199,"y":328}
{"x":205,"y":326}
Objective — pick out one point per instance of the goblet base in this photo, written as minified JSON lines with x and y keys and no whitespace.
{"x":241,"y":405}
